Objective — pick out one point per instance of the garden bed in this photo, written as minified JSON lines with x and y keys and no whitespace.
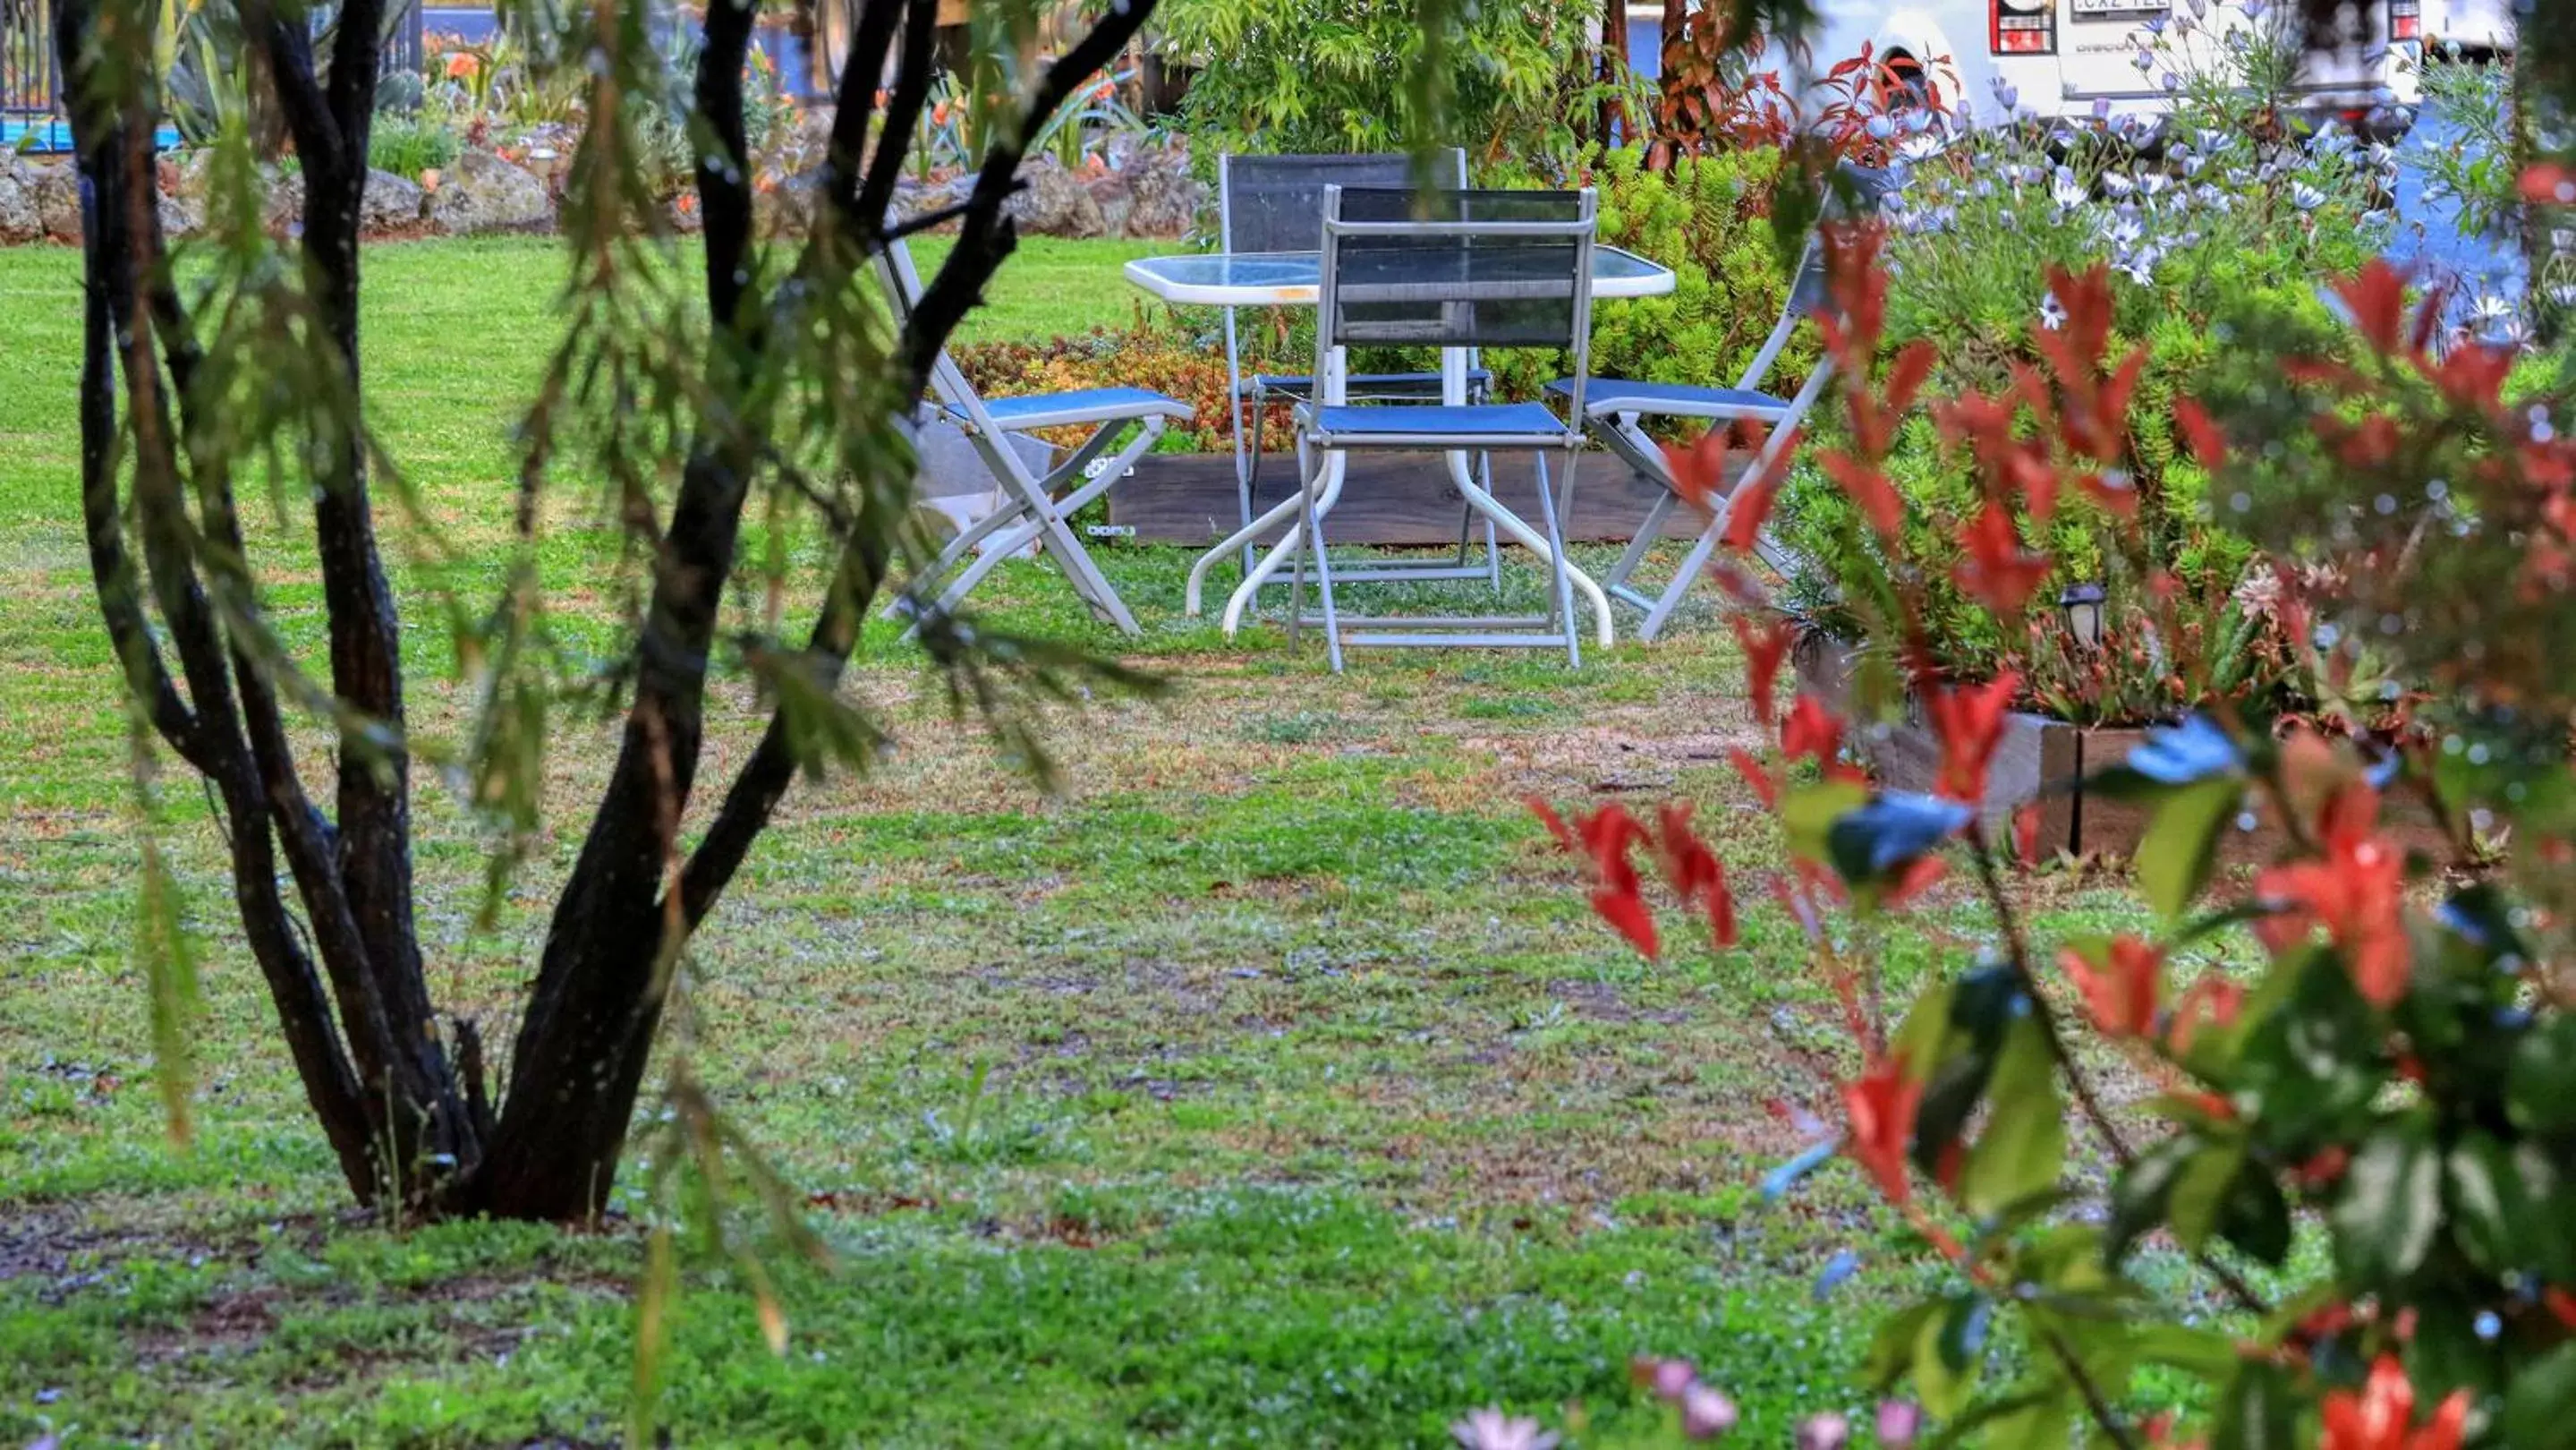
{"x":2051,"y":762}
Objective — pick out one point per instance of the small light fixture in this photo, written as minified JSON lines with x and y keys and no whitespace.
{"x":2081,"y":609}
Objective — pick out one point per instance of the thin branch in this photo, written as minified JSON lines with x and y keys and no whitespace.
{"x":903,"y":113}
{"x":285,"y":51}
{"x":983,"y":241}
{"x":724,"y":167}
{"x":856,"y":103}
{"x":2077,"y":1082}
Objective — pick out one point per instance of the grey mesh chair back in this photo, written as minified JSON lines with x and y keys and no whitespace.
{"x":1276,"y":203}
{"x":1462,"y":269}
{"x":1866,"y":189}
{"x":901,"y":283}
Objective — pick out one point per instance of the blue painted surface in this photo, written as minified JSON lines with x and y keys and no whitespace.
{"x":51,"y":137}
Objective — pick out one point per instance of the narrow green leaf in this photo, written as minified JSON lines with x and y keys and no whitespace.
{"x":2540,"y":1087}
{"x":2256,"y":1411}
{"x":2199,"y":1189}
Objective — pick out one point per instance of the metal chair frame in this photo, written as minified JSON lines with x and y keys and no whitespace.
{"x":1615,"y":412}
{"x":1031,"y":510}
{"x":1320,"y":481}
{"x":1250,"y":397}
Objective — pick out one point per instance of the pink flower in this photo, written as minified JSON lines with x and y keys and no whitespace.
{"x":1706,"y":1414}
{"x":1899,"y":1421}
{"x":1828,"y":1431}
{"x":1491,"y":1429}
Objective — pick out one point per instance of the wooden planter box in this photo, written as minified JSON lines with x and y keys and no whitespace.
{"x":2049,"y":761}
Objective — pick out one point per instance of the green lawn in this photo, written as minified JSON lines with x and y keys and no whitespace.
{"x":1269,"y":1085}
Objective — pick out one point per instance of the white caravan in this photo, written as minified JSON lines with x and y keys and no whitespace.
{"x":2090,"y":60}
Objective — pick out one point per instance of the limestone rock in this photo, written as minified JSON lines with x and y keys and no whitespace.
{"x":482,"y":194}
{"x":1055,"y":202}
{"x":1165,"y":198}
{"x":58,"y":207}
{"x":21,"y":219}
{"x":390,"y":204}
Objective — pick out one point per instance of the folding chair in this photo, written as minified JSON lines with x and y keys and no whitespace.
{"x":1030,"y":510}
{"x":1451,"y":269}
{"x":1613,"y":409}
{"x":1276,"y":204}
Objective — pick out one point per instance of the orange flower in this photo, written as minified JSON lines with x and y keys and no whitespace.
{"x":2382,"y":1415}
{"x":1880,"y":1108}
{"x":462,"y":65}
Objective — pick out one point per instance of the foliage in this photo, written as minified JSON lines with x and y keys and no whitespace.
{"x":1382,"y":75}
{"x":774,"y":384}
{"x":2395,"y":1076}
{"x":410,"y":145}
{"x":1707,"y":218}
{"x":2220,"y":228}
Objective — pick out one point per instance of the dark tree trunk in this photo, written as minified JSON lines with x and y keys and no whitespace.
{"x":1612,"y":121}
{"x":354,"y":1006}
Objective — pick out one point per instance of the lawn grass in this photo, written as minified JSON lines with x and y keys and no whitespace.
{"x":1268,"y":1083}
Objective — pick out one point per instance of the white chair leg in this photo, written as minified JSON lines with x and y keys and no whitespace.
{"x":1308,"y":489}
{"x":1561,"y":587}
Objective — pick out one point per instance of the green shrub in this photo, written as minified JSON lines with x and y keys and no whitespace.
{"x":1708,"y":220}
{"x":1338,"y":75}
{"x":2225,"y":229}
{"x":409,"y":145}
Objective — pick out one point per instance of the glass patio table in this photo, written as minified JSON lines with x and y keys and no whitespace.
{"x":1291,"y":279}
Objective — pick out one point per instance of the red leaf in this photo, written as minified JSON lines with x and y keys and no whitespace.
{"x":1812,"y":730}
{"x":1879,"y":1109}
{"x":2114,"y":492}
{"x":1699,"y":468}
{"x":1905,"y":376}
{"x":1555,"y":823}
{"x":1749,"y":507}
{"x":2123,"y":994}
{"x":1765,"y":647}
{"x":1627,"y":913}
{"x":1871,"y":490}
{"x":1968,"y":720}
{"x":1765,"y":789}
{"x":2201,"y":433}
{"x":2377,"y":299}
{"x":2026,"y":834}
{"x":1998,"y":572}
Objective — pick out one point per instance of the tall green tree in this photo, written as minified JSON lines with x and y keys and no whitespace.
{"x":773,"y":383}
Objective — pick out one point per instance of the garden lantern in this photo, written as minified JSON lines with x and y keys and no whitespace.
{"x":2080,"y":608}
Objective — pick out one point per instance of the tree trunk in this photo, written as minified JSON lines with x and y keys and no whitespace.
{"x":1613,"y":119}
{"x":354,"y":1005}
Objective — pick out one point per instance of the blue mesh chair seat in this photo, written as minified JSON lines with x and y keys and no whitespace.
{"x":1671,"y":400}
{"x":1497,"y":425}
{"x":1083,"y":405}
